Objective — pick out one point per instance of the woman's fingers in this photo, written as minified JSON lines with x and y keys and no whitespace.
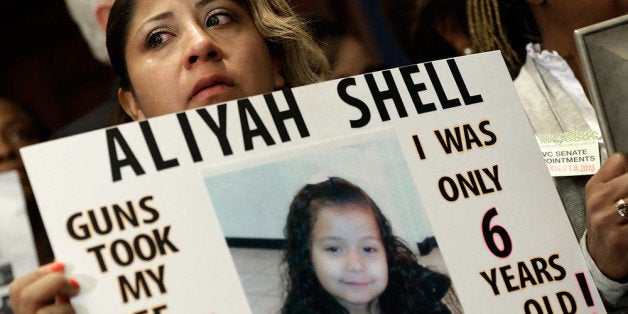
{"x":16,"y":288}
{"x":33,"y":292}
{"x":614,"y":167}
{"x":65,"y":308}
{"x":607,"y":235}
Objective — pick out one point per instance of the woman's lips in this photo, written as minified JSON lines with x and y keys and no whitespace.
{"x":211,"y":89}
{"x":212,"y":92}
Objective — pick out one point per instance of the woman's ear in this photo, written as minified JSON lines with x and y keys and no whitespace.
{"x":129,"y":104}
{"x":279,"y":81}
{"x":101,"y":13}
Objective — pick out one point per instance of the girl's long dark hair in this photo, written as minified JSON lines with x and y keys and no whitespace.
{"x":411,"y":288}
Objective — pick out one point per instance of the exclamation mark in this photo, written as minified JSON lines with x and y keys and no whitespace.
{"x":584,"y":287}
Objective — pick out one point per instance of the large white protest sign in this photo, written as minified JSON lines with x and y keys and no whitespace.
{"x":133,"y":208}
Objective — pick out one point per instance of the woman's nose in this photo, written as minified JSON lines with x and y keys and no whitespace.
{"x":201,"y":47}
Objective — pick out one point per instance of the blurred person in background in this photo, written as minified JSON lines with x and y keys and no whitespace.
{"x":21,"y":127}
{"x":429,"y":30}
{"x":91,"y":16}
{"x":340,"y":35}
{"x":536,"y":38}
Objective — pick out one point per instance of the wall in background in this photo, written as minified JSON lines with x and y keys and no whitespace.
{"x":45,"y":62}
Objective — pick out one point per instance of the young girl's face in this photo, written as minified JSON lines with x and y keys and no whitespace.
{"x":184,"y":54}
{"x":348,"y":255}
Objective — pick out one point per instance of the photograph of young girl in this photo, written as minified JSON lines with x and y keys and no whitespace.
{"x":343,"y":257}
{"x":311,"y":230}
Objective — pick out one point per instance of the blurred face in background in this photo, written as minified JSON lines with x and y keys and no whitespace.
{"x":17,"y":130}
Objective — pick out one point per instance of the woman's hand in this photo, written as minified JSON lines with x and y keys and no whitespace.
{"x":45,"y":290}
{"x":607,"y":230}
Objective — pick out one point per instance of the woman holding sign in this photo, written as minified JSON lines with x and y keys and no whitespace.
{"x":176,"y":55}
{"x":551,"y":85}
{"x":20,"y":127}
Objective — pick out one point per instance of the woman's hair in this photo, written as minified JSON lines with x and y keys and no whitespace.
{"x":413,"y":24}
{"x":289,"y":40}
{"x":286,"y":35}
{"x":506,"y":25}
{"x":411,"y":287}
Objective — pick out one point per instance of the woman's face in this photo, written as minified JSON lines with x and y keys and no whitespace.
{"x":17,"y":130}
{"x":348,"y":255}
{"x":184,"y":54}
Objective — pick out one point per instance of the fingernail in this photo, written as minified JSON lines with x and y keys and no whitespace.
{"x":56,"y":267}
{"x":74,"y":283}
{"x":87,"y":283}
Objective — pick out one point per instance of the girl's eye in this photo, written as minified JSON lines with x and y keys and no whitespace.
{"x":369,"y":250}
{"x":333,"y":249}
{"x":218,"y":19}
{"x":155,"y":40}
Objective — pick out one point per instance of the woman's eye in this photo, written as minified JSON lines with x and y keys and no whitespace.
{"x":218,"y":19}
{"x":369,"y":250}
{"x":157,"y":39}
{"x":19,"y":135}
{"x":333,"y":249}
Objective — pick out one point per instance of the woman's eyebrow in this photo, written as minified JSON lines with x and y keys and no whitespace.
{"x":161,"y":16}
{"x":202,"y":3}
